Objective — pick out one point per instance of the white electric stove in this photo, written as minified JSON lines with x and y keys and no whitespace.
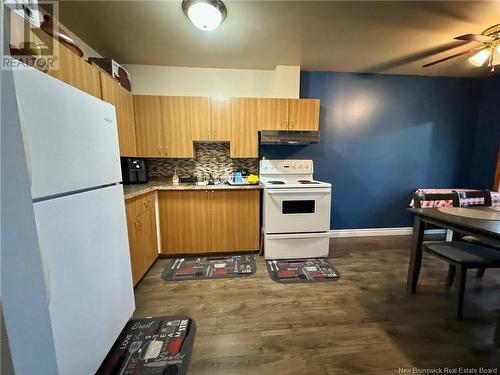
{"x":296,"y":210}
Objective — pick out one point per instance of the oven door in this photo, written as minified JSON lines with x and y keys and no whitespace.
{"x":297,"y":210}
{"x":296,"y":245}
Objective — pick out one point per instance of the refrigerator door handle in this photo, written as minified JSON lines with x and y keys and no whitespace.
{"x":45,"y":266}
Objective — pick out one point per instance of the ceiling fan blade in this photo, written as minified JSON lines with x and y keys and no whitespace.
{"x":474,"y":38}
{"x":449,"y":57}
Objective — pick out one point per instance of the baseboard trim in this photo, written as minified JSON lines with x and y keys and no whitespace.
{"x":366,"y":232}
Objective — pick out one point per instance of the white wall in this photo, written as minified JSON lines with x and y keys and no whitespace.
{"x":185,"y":81}
{"x":287,"y":81}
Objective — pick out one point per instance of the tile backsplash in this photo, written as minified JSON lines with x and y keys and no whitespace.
{"x":210,"y":158}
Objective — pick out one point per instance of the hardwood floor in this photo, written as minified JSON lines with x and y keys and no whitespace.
{"x":365,"y":323}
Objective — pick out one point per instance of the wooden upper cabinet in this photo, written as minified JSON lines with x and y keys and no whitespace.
{"x":177,"y":139}
{"x":184,"y":221}
{"x":77,"y":72}
{"x":116,"y":95}
{"x":304,"y":114}
{"x":220,"y":112}
{"x":272,"y":114}
{"x":128,"y":128}
{"x":245,"y":127}
{"x":148,"y":126}
{"x":200,"y":118}
{"x":235,"y":220}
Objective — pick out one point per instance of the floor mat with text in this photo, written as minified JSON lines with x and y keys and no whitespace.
{"x":152,"y":346}
{"x":210,"y":267}
{"x":308,"y":270}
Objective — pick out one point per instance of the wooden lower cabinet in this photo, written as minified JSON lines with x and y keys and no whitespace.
{"x":207,"y":221}
{"x":142,"y":235}
{"x":184,"y":221}
{"x":235,"y":220}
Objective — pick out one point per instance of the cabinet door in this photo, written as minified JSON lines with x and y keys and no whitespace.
{"x":200,"y":119}
{"x":128,"y":121}
{"x":245,"y":127}
{"x":148,"y":125}
{"x":235,"y":220}
{"x":177,"y":138}
{"x":184,"y":221}
{"x":134,"y":240}
{"x":220,"y":112}
{"x":114,"y":94}
{"x":77,"y":72}
{"x":272,"y":114}
{"x":304,"y":114}
{"x":149,"y":239}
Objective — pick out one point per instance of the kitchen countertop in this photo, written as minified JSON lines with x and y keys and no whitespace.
{"x":132,"y":191}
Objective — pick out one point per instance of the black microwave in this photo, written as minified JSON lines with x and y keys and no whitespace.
{"x":134,"y":171}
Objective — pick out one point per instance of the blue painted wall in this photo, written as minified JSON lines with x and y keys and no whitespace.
{"x":382,"y":137}
{"x":487,"y":135}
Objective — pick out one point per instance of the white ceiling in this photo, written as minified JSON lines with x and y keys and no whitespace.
{"x":351,"y":36}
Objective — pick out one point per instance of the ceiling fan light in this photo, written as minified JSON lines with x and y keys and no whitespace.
{"x":480,"y":58}
{"x":206,"y":15}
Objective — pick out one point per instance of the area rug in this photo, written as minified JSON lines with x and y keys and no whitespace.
{"x":157,"y":345}
{"x":308,"y":270}
{"x":212,"y":267}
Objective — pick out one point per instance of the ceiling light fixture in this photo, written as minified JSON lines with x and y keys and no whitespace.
{"x":206,"y":15}
{"x":480,"y":58}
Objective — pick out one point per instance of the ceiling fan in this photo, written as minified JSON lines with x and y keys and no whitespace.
{"x":488,"y":51}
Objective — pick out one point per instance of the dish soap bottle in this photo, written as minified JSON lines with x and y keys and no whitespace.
{"x":175,"y":178}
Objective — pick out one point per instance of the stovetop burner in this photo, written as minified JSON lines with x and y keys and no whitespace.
{"x":276,"y":182}
{"x":307,"y":182}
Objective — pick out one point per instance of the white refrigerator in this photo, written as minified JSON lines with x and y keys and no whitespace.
{"x":71,"y":146}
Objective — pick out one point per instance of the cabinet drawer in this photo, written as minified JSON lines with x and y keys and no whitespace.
{"x":144,"y":203}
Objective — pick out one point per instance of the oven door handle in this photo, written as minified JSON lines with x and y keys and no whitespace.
{"x":315,"y":191}
{"x":298,"y":235}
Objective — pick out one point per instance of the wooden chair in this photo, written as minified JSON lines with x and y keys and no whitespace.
{"x":485,"y":195}
{"x":462,"y":256}
{"x":419,"y":198}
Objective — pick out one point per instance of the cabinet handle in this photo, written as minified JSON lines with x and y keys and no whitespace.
{"x":213,"y":194}
{"x":161,"y":151}
{"x":285,"y":124}
{"x":206,"y":194}
{"x":208,"y":131}
{"x":290,"y":124}
{"x":213,"y":135}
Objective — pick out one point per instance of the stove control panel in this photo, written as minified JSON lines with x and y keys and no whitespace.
{"x":286,"y":167}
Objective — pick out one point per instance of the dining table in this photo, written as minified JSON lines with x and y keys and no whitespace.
{"x":450,"y":219}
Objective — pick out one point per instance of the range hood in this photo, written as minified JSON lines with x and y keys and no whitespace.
{"x":288,"y":137}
